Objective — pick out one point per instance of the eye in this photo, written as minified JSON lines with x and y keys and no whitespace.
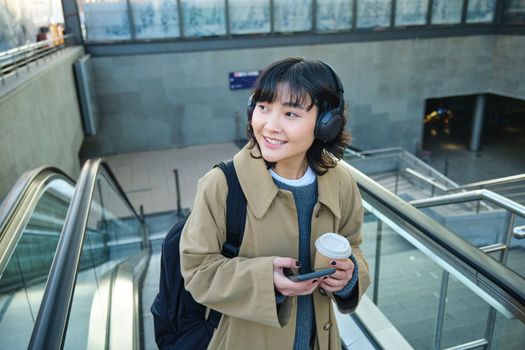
{"x":292,"y":115}
{"x":262,"y":107}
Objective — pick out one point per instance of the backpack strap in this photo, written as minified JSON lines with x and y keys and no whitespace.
{"x":235,"y":222}
{"x":235,"y":211}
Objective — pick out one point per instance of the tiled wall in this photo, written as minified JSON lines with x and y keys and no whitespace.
{"x":40,"y":121}
{"x":169,"y":100}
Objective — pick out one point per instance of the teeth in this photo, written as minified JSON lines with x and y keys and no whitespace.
{"x":274,"y":142}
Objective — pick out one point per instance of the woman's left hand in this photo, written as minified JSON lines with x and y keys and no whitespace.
{"x":339,"y":279}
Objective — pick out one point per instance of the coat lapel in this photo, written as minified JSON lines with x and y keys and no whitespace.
{"x":260,"y":190}
{"x":328,"y":188}
{"x":255,"y":180}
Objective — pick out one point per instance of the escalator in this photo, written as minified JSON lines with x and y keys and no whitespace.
{"x":31,"y":219}
{"x":73,"y":257}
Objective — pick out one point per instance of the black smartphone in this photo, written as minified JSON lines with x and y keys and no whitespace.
{"x":308,"y":276}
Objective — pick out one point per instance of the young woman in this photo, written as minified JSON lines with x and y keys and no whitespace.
{"x":296,"y":191}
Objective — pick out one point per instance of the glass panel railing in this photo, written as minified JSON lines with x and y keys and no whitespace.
{"x":489,"y":230}
{"x":433,"y":307}
{"x":24,"y":278}
{"x":114,"y":233}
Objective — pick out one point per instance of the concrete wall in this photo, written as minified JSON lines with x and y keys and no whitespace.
{"x":508,"y":68}
{"x":169,"y":100}
{"x":40,"y":121}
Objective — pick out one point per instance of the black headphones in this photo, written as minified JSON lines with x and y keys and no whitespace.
{"x":328,"y":124}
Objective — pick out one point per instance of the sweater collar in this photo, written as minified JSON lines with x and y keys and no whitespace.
{"x":260,"y":190}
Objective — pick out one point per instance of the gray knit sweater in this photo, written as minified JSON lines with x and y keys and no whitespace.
{"x":305,"y":198}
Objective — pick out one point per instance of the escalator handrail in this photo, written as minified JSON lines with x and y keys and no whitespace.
{"x":15,"y":196}
{"x":51,"y":322}
{"x":486,"y":268}
{"x":24,"y":195}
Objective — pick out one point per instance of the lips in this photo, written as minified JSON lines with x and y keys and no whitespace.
{"x":274,"y":142}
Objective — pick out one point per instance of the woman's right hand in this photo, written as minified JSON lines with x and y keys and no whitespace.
{"x":284,"y":285}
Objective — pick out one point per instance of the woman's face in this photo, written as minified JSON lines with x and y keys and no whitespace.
{"x":285,"y":132}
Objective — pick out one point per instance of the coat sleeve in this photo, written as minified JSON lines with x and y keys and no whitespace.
{"x":350,"y":227}
{"x":241,"y":287}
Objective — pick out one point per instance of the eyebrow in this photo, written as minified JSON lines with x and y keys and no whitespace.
{"x":294,"y":105}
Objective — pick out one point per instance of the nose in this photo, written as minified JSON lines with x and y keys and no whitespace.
{"x":273,"y":123}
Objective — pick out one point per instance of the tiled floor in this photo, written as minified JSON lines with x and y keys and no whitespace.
{"x":502,"y":153}
{"x":148,"y":178}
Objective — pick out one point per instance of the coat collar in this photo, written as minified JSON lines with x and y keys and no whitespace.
{"x":260,"y":190}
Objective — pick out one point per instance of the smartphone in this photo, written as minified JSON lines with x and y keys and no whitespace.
{"x":310,"y":275}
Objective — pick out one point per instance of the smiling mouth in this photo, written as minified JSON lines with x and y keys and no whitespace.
{"x":274,"y":141}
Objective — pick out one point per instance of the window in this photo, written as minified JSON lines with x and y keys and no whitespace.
{"x":292,"y":15}
{"x":481,"y":11}
{"x":373,"y":13}
{"x":247,"y":17}
{"x":155,"y":18}
{"x":514,"y":11}
{"x":203,"y":17}
{"x":334,"y":15}
{"x":107,"y":20}
{"x":411,"y":12}
{"x":446,"y":11}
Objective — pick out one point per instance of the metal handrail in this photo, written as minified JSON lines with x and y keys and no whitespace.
{"x":404,"y":153}
{"x":500,"y":286}
{"x":433,"y":185}
{"x":32,"y":46}
{"x":453,"y":186}
{"x":124,"y":330}
{"x":12,"y":60}
{"x":493,"y":182}
{"x":21,"y":200}
{"x":429,"y":180}
{"x":519,"y":231}
{"x":487,"y":195}
{"x":51,"y":322}
{"x":117,"y":326}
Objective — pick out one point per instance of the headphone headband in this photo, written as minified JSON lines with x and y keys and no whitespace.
{"x":330,"y":123}
{"x":341,"y":106}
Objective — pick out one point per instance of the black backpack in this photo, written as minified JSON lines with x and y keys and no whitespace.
{"x":180,"y":321}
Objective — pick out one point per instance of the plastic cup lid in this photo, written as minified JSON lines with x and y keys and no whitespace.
{"x":334,"y":246}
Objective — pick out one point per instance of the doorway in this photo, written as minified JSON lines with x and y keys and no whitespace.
{"x":447,"y":134}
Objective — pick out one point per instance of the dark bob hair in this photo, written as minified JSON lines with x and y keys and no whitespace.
{"x":304,"y":78}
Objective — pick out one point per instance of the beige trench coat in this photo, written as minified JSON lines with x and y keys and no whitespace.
{"x":242,"y":288}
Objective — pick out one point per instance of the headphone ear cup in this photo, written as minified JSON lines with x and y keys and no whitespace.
{"x":328,"y":126}
{"x":250,"y":108}
{"x":249,"y":111}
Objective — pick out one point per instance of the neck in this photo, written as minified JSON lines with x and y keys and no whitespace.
{"x":291,"y":172}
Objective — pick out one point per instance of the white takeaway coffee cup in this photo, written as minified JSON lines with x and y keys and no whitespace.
{"x":331,"y":246}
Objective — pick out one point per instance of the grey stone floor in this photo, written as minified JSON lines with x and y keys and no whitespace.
{"x":502,"y":153}
{"x":148,"y":178}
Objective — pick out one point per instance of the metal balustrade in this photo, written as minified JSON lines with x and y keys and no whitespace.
{"x":14,"y":60}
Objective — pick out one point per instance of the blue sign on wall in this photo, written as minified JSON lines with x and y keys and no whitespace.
{"x":243,"y":80}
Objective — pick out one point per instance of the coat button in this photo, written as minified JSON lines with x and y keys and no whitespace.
{"x":322,"y":291}
{"x":327,"y":326}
